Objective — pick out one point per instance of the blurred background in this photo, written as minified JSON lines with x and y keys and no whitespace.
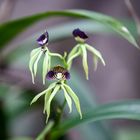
{"x":118,"y":80}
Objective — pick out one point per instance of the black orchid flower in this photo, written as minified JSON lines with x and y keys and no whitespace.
{"x":43,"y":39}
{"x":58,"y":73}
{"x":79,"y":35}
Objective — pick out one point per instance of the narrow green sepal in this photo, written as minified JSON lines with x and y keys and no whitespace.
{"x":84,"y":60}
{"x":48,"y":104}
{"x":95,"y":52}
{"x":33,"y":56}
{"x":75,"y":99}
{"x":45,"y":67}
{"x":68,"y":98}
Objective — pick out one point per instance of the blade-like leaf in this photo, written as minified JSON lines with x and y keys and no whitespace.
{"x":95,"y":52}
{"x":56,"y":89}
{"x":75,"y":99}
{"x":51,"y":86}
{"x":33,"y":57}
{"x":84,"y":60}
{"x":68,"y":98}
{"x":17,"y":26}
{"x":119,"y":110}
{"x":36,"y":62}
{"x":45,"y":67}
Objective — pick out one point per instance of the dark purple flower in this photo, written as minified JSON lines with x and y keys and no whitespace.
{"x":58,"y":73}
{"x":43,"y":39}
{"x":79,"y":35}
{"x":50,"y":75}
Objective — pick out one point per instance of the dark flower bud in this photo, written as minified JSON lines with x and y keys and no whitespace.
{"x":43,"y":39}
{"x":79,"y":35}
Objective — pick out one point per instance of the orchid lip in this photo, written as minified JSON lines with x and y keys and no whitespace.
{"x":43,"y":39}
{"x":58,"y":73}
{"x":77,"y":33}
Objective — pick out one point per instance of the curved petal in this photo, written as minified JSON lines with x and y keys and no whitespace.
{"x":68,"y":98}
{"x":45,"y":67}
{"x":85,"y":63}
{"x":56,"y":89}
{"x":36,"y":62}
{"x":42,"y":93}
{"x":95,"y":52}
{"x":33,"y":56}
{"x":75,"y":99}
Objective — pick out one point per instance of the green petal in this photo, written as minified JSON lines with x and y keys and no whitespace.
{"x":75,"y":99}
{"x":33,"y":56}
{"x":46,"y":98}
{"x":56,"y":89}
{"x":85,"y":64}
{"x":56,"y":54}
{"x":95,"y":52}
{"x":72,"y":55}
{"x":95,"y":61}
{"x":69,"y":62}
{"x":45,"y":67}
{"x":68,"y":98}
{"x":42,"y":93}
{"x":73,"y":51}
{"x":36,"y":62}
{"x":49,"y":63}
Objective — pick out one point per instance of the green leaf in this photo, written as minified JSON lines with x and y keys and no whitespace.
{"x":75,"y":99}
{"x":95,"y":52}
{"x":84,"y":60}
{"x":68,"y":98}
{"x":51,"y":86}
{"x":56,"y":89}
{"x":10,"y":29}
{"x":36,"y":62}
{"x":45,"y":67}
{"x":118,"y":110}
{"x":33,"y":57}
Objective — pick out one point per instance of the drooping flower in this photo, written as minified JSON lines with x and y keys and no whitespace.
{"x":37,"y":53}
{"x":58,"y":73}
{"x":81,"y":49}
{"x":61,"y":75}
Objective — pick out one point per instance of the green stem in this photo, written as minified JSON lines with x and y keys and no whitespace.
{"x":46,"y":130}
{"x":59,"y":116}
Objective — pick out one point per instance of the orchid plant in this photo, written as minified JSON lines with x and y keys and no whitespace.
{"x":60,"y":74}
